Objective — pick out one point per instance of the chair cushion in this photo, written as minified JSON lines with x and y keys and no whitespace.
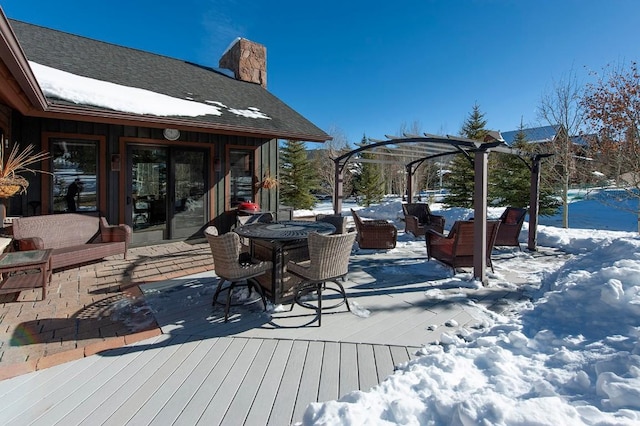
{"x":512,"y":217}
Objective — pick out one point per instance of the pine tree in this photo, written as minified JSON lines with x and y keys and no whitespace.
{"x":368,"y":183}
{"x":297,"y":177}
{"x":460,"y":181}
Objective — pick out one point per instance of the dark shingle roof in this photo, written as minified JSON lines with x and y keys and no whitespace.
{"x":174,"y":77}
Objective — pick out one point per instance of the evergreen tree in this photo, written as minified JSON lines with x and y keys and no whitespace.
{"x":460,"y":181}
{"x":510,"y":180}
{"x":297,"y":177}
{"x":368,"y":183}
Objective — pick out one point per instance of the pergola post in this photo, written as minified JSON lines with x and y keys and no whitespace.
{"x":480,"y":163}
{"x":338,"y":188}
{"x":409,"y":184}
{"x":534,"y":203}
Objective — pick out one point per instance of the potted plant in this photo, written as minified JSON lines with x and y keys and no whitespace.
{"x":11,"y":182}
{"x":269,"y":182}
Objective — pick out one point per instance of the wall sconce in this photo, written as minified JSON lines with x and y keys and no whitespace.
{"x":115,"y":162}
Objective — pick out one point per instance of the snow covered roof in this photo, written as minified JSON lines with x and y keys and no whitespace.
{"x":85,"y":76}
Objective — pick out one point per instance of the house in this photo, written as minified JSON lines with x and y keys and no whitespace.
{"x":164,"y":145}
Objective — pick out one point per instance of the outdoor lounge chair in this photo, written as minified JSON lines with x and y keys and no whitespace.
{"x":510,"y":225}
{"x":230,"y":266}
{"x":374,"y":234}
{"x":456,"y":248}
{"x":418,"y":218}
{"x":329,"y":262}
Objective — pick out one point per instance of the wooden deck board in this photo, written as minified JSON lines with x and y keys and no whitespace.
{"x":265,"y":398}
{"x":282,"y":411}
{"x":198,"y":403}
{"x":28,"y":409}
{"x":221,"y":401}
{"x":239,"y":409}
{"x":348,"y":374}
{"x":199,"y":374}
{"x":310,"y":379}
{"x":366,"y":367}
{"x":330,"y":374}
{"x":155,"y":406}
{"x":110,"y":395}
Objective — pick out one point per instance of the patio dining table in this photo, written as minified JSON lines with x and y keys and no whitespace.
{"x":281,"y":242}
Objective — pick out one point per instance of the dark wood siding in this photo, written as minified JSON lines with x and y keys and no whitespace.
{"x":27,"y":130}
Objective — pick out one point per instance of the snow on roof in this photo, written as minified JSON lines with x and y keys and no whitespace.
{"x":88,"y":91}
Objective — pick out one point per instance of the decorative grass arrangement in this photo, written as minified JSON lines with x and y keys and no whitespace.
{"x":17,"y":162}
{"x":269,"y":182}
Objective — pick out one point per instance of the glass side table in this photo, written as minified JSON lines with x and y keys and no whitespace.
{"x":25,"y":270}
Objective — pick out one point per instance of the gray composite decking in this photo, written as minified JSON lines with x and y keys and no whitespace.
{"x":185,"y":381}
{"x":259,"y":368}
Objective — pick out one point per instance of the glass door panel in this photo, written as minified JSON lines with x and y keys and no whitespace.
{"x":149,"y":192}
{"x":189,"y":179}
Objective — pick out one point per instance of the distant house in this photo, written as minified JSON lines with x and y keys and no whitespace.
{"x":532,"y":135}
{"x":164,"y":145}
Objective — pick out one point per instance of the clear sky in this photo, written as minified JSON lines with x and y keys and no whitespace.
{"x":357,"y":67}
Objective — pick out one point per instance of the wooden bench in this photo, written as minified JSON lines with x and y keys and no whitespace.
{"x":74,"y":238}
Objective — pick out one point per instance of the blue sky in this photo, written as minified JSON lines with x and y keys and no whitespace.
{"x":365,"y":67}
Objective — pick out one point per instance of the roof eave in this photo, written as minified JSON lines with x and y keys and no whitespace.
{"x":83,"y":113}
{"x":16,"y":62}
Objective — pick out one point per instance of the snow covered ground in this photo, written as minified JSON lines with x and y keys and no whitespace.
{"x":569,"y":355}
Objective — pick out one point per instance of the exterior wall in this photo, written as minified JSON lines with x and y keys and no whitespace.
{"x":37,"y":131}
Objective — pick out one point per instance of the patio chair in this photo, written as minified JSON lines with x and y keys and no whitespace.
{"x":456,"y":248}
{"x":374,"y":234}
{"x":230,"y":266}
{"x":510,"y":225}
{"x":246,"y":219}
{"x":329,"y":262}
{"x":337,"y":220}
{"x":418,"y":218}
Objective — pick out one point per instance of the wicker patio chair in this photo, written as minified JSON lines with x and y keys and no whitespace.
{"x":229,"y":266}
{"x":510,"y":225}
{"x":337,"y":220}
{"x":418,"y":218}
{"x":329,"y":262}
{"x":374,"y":234}
{"x":456,"y":248}
{"x":241,"y":220}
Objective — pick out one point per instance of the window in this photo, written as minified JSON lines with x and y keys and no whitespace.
{"x":75,"y":185}
{"x":241,"y":166}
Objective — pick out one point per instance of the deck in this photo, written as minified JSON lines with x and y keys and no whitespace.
{"x":259,"y":368}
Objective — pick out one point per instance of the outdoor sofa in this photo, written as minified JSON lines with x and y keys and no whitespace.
{"x":73,"y":237}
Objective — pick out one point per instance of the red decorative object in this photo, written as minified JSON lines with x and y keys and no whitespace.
{"x":247,"y":206}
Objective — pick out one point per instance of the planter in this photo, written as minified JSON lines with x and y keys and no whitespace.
{"x":9,"y":186}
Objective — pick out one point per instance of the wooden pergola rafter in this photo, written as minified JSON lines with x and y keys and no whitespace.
{"x":414,"y":150}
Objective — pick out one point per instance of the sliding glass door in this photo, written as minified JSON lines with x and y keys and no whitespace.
{"x":167,"y":192}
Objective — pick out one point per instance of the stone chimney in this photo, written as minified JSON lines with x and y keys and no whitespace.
{"x":247,"y":60}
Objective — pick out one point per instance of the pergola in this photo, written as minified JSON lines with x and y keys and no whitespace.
{"x":413,"y":150}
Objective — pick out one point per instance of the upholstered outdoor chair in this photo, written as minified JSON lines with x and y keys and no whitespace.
{"x":418,"y":218}
{"x":337,"y":220}
{"x":374,"y":234}
{"x":231,"y":267}
{"x":456,"y":248}
{"x":329,"y":262}
{"x":511,"y":223}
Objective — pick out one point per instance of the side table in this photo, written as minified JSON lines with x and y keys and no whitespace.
{"x":24,"y":270}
